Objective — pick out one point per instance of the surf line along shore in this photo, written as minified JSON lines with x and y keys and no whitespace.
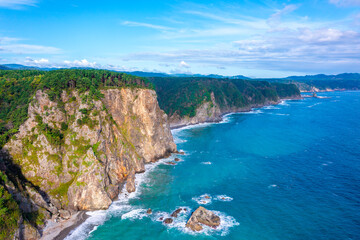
{"x":61,"y":230}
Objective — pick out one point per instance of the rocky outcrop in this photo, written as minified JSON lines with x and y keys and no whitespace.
{"x":78,"y":153}
{"x":209,"y":111}
{"x":202,"y":216}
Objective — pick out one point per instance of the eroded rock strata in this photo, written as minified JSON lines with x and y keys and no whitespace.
{"x":76,"y":154}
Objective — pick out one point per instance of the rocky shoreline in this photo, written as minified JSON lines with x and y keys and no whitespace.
{"x":61,"y":229}
{"x":219,"y":118}
{"x":75,"y":223}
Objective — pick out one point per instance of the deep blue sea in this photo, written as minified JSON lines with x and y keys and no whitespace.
{"x":290,"y":171}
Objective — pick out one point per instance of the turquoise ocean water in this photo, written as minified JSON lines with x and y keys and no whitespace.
{"x":290,"y":171}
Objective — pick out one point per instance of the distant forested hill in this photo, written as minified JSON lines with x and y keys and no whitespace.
{"x":184,"y":95}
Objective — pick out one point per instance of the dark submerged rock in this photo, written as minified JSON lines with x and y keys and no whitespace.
{"x":176,"y":212}
{"x":168,"y":220}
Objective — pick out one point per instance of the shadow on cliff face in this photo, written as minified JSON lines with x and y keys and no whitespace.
{"x":17,"y":185}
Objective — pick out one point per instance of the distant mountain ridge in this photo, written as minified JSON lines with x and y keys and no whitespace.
{"x":342,"y":76}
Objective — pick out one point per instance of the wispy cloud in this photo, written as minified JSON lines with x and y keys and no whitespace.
{"x":275,"y":20}
{"x":345,"y":3}
{"x":239,"y":20}
{"x":146,"y":25}
{"x":14,"y":45}
{"x":295,"y":50}
{"x":17,"y":4}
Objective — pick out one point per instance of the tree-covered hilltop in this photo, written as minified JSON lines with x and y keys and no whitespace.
{"x":17,"y":88}
{"x":184,"y":95}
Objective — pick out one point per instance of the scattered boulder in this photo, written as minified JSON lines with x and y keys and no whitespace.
{"x":161,"y":218}
{"x":170,"y":163}
{"x":181,"y":153}
{"x":207,"y":197}
{"x":176,"y":212}
{"x":202,"y":216}
{"x":177,"y":159}
{"x":64,"y":214}
{"x":149,"y":211}
{"x":168,"y":220}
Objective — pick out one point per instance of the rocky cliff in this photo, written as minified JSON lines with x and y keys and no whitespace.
{"x":210,"y":111}
{"x":78,"y":153}
{"x":196,"y":100}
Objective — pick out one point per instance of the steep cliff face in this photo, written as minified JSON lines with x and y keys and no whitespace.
{"x":77,"y":153}
{"x":209,"y":111}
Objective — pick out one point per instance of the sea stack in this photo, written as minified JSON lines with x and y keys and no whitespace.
{"x":202,"y":216}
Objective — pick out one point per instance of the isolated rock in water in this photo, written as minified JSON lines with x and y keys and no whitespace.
{"x":168,"y":220}
{"x":171,"y":163}
{"x":181,"y":153}
{"x":202,"y":216}
{"x":149,"y":211}
{"x":177,"y":159}
{"x":207,"y":197}
{"x":176,"y":212}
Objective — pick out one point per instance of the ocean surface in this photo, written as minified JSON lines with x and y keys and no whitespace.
{"x":290,"y":171}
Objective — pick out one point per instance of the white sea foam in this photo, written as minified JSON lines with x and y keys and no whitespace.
{"x":135,"y":214}
{"x":271,"y":107}
{"x":283,"y":103}
{"x":255,"y":111}
{"x":223,"y":198}
{"x":311,"y":106}
{"x":273,"y":186}
{"x":204,"y":199}
{"x":206,"y":163}
{"x":282,"y":114}
{"x":95,"y":219}
{"x":179,"y":223}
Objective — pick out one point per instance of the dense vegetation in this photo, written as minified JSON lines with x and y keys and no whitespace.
{"x":9,"y":211}
{"x":185,"y":95}
{"x":17,"y":87}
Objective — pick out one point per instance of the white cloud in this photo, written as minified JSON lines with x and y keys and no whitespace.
{"x":275,"y":18}
{"x":345,"y":3}
{"x":14,"y":46}
{"x":81,"y":63}
{"x":147,"y":25}
{"x":5,"y":40}
{"x":28,"y":49}
{"x":17,"y":4}
{"x":183,"y":64}
{"x":292,"y":50}
{"x":42,"y":61}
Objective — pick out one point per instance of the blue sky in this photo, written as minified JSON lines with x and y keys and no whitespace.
{"x":252,"y":38}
